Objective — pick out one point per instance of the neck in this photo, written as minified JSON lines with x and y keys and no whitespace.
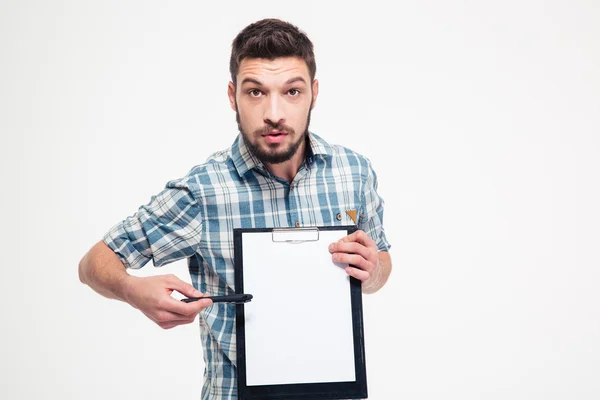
{"x":287,"y":170}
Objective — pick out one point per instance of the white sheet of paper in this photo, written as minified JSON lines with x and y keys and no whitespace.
{"x":298,"y":326}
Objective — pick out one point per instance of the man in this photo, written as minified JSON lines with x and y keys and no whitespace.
{"x":275,"y":174}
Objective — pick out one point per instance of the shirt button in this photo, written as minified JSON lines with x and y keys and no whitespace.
{"x":297,"y":224}
{"x":292,"y":187}
{"x":339,"y":217}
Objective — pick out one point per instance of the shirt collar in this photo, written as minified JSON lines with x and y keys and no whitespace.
{"x":244,"y":160}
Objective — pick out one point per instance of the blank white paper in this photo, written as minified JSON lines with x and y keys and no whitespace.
{"x":298,"y":326}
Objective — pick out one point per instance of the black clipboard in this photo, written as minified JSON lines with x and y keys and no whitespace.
{"x":351,"y":385}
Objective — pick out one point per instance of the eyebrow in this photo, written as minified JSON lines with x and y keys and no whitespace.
{"x":296,"y":79}
{"x":252,"y":80}
{"x":259,"y":83}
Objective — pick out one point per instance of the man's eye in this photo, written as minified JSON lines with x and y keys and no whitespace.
{"x":254,"y":92}
{"x":294,"y":92}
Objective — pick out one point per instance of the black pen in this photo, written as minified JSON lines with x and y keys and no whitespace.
{"x":236,"y":298}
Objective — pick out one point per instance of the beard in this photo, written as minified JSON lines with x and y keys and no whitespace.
{"x":271,"y":155}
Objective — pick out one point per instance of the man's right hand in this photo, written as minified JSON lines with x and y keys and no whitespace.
{"x":152,"y":296}
{"x":104,"y":272}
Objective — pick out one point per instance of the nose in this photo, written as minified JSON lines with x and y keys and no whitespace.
{"x":274,"y":111}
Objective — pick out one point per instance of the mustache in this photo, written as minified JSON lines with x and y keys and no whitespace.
{"x":274,"y":126}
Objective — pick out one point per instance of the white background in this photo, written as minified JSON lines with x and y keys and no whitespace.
{"x":481,"y":119}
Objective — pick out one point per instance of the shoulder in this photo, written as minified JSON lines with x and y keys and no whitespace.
{"x":203,"y":174}
{"x":343,"y":157}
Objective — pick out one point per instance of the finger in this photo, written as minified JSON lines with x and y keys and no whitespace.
{"x":360,"y":237}
{"x":165,"y":317}
{"x":167,"y":325}
{"x":188,"y":290}
{"x":352,"y":247}
{"x":182,"y":287}
{"x":352,"y":259}
{"x":198,"y":305}
{"x":169,"y":304}
{"x":170,"y":325}
{"x":359,"y":274}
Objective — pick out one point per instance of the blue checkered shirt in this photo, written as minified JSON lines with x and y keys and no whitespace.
{"x":194,"y":218}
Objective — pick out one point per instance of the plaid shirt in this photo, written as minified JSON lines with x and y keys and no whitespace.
{"x":194,"y":218}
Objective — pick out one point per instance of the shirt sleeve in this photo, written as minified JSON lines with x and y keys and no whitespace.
{"x":166,"y":229}
{"x":371,"y":222}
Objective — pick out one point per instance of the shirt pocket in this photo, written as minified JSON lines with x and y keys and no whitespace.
{"x":345,"y":209}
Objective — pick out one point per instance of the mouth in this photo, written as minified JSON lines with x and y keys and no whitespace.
{"x":275,"y":136}
{"x":275,"y":132}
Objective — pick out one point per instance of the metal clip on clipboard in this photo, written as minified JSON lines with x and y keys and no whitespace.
{"x":295,"y":235}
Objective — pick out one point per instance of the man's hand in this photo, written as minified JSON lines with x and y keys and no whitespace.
{"x":152,"y":296}
{"x":359,"y":250}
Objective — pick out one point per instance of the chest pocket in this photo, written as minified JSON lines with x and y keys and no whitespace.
{"x":346,"y":213}
{"x":343,"y":205}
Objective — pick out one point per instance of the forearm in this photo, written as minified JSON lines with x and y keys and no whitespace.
{"x":380,"y":279}
{"x":102,"y":270}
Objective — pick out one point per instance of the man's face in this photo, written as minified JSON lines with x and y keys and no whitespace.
{"x":273,"y":100}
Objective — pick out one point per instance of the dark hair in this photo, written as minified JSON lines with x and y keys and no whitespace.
{"x":271,"y":38}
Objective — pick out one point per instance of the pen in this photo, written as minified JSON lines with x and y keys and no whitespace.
{"x":236,"y":298}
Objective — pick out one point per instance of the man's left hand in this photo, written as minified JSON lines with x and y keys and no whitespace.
{"x":359,"y":250}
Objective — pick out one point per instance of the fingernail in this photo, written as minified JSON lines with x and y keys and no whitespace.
{"x":331,"y":246}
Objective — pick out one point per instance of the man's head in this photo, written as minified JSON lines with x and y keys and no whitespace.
{"x":272,"y":88}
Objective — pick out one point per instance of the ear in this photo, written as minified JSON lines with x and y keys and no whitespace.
{"x":315,"y":93}
{"x":231,"y":95}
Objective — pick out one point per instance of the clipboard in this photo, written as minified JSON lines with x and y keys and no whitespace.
{"x":302,"y":335}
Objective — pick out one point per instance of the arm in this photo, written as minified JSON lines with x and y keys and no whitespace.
{"x":102,"y":270}
{"x":165,"y":230}
{"x":379,"y":277}
{"x":367,"y":248}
